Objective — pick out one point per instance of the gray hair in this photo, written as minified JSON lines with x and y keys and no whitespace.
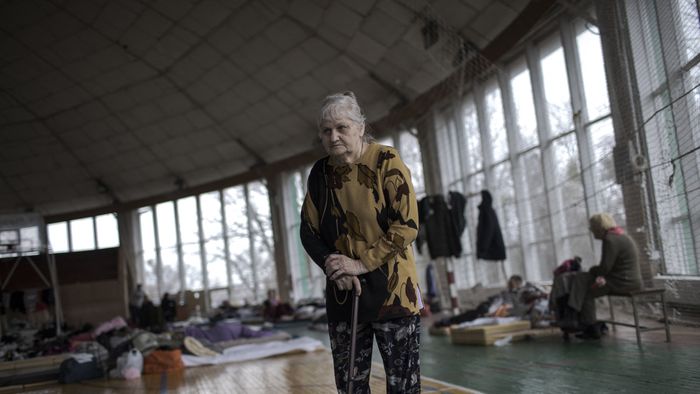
{"x":603,"y":221}
{"x":338,"y":104}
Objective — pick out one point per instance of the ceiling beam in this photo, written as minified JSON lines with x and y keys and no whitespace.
{"x":259,"y":172}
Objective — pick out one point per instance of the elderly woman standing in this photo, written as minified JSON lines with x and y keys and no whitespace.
{"x":359,"y":219}
{"x":617,"y":272}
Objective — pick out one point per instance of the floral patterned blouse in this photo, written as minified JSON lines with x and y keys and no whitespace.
{"x":368,"y":211}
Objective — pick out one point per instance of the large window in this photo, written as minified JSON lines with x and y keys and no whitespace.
{"x":535,"y":217}
{"x":411,"y":156}
{"x":307,"y":279}
{"x":82,"y":234}
{"x":167,"y":239}
{"x":524,"y":106}
{"x":149,"y":263}
{"x":220,"y":242}
{"x":495,"y":123}
{"x":212,"y":230}
{"x":474,"y":156}
{"x":262,"y":240}
{"x":58,"y":237}
{"x":546,"y":169}
{"x":88,"y":233}
{"x":447,"y":143}
{"x":592,"y":71}
{"x":607,"y":191}
{"x":107,"y":231}
{"x":571,"y":218}
{"x":556,"y":86}
{"x":189,"y":238}
{"x":238,"y":239}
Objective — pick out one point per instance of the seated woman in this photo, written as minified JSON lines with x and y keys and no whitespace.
{"x":617,"y":272}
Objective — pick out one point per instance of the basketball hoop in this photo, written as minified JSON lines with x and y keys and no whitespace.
{"x":9,"y":241}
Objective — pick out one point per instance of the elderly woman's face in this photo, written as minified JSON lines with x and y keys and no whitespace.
{"x":597,"y":230}
{"x":340,"y":136}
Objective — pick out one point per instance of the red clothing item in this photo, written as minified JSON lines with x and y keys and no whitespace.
{"x":615,"y":230}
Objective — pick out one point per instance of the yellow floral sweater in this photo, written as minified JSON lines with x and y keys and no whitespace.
{"x":367,"y":211}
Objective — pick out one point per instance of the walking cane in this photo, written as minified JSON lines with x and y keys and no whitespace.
{"x":353,"y":339}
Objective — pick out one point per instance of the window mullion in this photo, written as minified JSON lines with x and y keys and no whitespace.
{"x":180,"y":259}
{"x":251,"y":242}
{"x":202,"y":254}
{"x":227,"y":253}
{"x":159,"y":262}
{"x":94,"y":232}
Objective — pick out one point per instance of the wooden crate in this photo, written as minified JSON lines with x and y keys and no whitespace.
{"x":487,"y":335}
{"x":439,"y":331}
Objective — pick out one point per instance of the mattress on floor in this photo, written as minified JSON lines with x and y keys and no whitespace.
{"x":32,"y":370}
{"x":488,"y":334}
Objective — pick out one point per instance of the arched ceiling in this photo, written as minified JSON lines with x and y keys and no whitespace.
{"x":116,"y":101}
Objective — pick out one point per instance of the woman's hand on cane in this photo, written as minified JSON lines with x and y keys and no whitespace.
{"x":338,"y":265}
{"x":348,"y":282}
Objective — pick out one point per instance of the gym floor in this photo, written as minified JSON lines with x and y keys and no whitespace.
{"x":614,"y":364}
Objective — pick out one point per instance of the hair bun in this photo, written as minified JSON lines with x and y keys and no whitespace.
{"x":349,"y":94}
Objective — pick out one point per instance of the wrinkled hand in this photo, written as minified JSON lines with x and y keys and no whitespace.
{"x":600,"y":281}
{"x":348,"y":282}
{"x":338,"y":265}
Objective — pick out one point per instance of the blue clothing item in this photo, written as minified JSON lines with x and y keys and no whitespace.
{"x":223,"y":331}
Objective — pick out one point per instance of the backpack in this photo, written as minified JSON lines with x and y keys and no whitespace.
{"x":72,"y":371}
{"x":163,"y":361}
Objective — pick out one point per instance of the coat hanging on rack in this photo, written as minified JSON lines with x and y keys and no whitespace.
{"x":489,"y":239}
{"x":441,"y":225}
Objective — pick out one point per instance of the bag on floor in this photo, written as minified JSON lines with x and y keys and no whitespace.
{"x":567,"y":317}
{"x":72,"y":371}
{"x":163,"y":361}
{"x":129,"y":366}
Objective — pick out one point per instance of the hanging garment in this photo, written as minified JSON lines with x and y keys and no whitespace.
{"x":17,"y":302}
{"x":459,"y":222}
{"x":489,"y":239}
{"x":47,"y":296}
{"x":439,"y":228}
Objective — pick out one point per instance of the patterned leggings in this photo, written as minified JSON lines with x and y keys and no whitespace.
{"x":398,"y":341}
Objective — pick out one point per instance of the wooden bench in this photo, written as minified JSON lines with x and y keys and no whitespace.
{"x":634,"y":296}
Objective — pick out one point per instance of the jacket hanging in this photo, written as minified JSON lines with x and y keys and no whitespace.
{"x":438,"y":228}
{"x":489,"y":239}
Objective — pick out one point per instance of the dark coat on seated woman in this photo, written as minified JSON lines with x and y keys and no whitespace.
{"x":619,"y":266}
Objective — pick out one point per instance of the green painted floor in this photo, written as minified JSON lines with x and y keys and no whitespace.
{"x":614,"y":364}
